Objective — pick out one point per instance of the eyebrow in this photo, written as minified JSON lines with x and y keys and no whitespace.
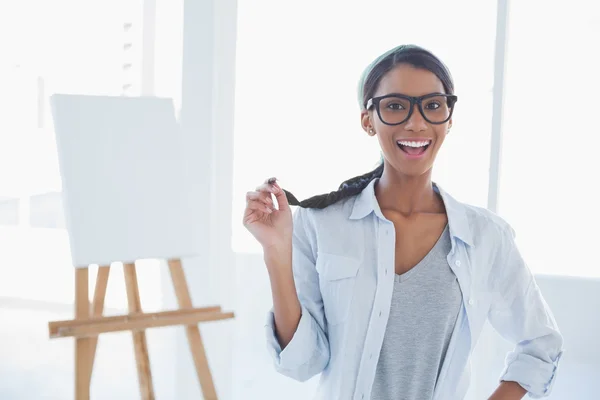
{"x":405,"y":95}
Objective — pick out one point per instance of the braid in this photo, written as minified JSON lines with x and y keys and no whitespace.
{"x":348,"y":188}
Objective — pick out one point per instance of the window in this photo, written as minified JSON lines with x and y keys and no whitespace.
{"x":551,"y":137}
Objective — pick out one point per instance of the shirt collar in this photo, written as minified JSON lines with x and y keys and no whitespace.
{"x":366,"y":202}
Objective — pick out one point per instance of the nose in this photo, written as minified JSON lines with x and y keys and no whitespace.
{"x":416,"y":122}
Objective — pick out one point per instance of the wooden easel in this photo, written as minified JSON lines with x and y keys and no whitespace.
{"x":89,"y":323}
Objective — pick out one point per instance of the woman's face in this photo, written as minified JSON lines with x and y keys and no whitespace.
{"x":397,"y":142}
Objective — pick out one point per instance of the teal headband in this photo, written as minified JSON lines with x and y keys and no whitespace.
{"x":374,"y":63}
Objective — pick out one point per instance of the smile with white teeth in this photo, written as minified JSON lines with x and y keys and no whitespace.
{"x":413,"y":144}
{"x":414,"y":148}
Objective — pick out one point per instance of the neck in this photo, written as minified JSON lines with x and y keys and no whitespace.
{"x":407,"y":194}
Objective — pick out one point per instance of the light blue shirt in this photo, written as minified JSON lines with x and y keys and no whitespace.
{"x":343,"y":263}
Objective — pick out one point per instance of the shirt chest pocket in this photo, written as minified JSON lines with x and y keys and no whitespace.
{"x":337,"y":280}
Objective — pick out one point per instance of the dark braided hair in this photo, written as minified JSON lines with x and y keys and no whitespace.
{"x":404,"y":54}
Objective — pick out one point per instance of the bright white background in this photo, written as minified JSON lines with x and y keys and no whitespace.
{"x":551,"y":138}
{"x":296,"y":117}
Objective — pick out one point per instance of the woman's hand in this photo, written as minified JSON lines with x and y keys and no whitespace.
{"x":272,"y":226}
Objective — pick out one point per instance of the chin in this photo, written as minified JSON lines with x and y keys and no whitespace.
{"x":412,"y":174}
{"x":414,"y":171}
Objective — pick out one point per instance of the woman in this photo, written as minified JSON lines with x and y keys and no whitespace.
{"x":384,"y":285}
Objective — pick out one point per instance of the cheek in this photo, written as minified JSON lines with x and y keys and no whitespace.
{"x":440,"y":135}
{"x":386,"y":135}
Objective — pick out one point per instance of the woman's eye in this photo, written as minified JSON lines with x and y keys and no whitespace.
{"x":433,"y":106}
{"x":395,"y":106}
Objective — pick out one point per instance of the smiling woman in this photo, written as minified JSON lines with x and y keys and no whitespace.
{"x":413,"y":81}
{"x":297,"y":118}
{"x":389,"y":244}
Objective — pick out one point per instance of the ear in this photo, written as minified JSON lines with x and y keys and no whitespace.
{"x":366,"y":123}
{"x":449,"y":125}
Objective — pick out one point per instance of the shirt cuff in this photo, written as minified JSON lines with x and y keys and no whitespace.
{"x":298,"y":352}
{"x":533,"y":374}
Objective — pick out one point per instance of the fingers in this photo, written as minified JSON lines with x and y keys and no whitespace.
{"x":260,"y":201}
{"x":256,"y":210}
{"x":278,"y":192}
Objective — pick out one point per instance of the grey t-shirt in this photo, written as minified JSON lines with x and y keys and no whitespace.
{"x":425,"y":306}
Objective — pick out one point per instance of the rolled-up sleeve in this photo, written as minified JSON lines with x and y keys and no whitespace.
{"x":307,"y":354}
{"x":520,"y":314}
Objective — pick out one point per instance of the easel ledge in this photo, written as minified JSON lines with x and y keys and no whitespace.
{"x":89,"y":324}
{"x":135,"y":321}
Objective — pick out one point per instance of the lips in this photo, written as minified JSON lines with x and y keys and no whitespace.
{"x":414,"y":147}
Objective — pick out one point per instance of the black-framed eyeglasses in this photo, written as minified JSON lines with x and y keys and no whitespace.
{"x":396,"y":109}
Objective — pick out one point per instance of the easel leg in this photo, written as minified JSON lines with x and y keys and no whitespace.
{"x":98,"y":307}
{"x":139,"y":337}
{"x":193,"y":332}
{"x":82,"y":345}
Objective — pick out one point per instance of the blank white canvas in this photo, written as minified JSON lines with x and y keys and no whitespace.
{"x":123,"y":173}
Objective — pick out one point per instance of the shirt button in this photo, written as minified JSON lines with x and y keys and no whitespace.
{"x":471,"y":302}
{"x":457,"y":263}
